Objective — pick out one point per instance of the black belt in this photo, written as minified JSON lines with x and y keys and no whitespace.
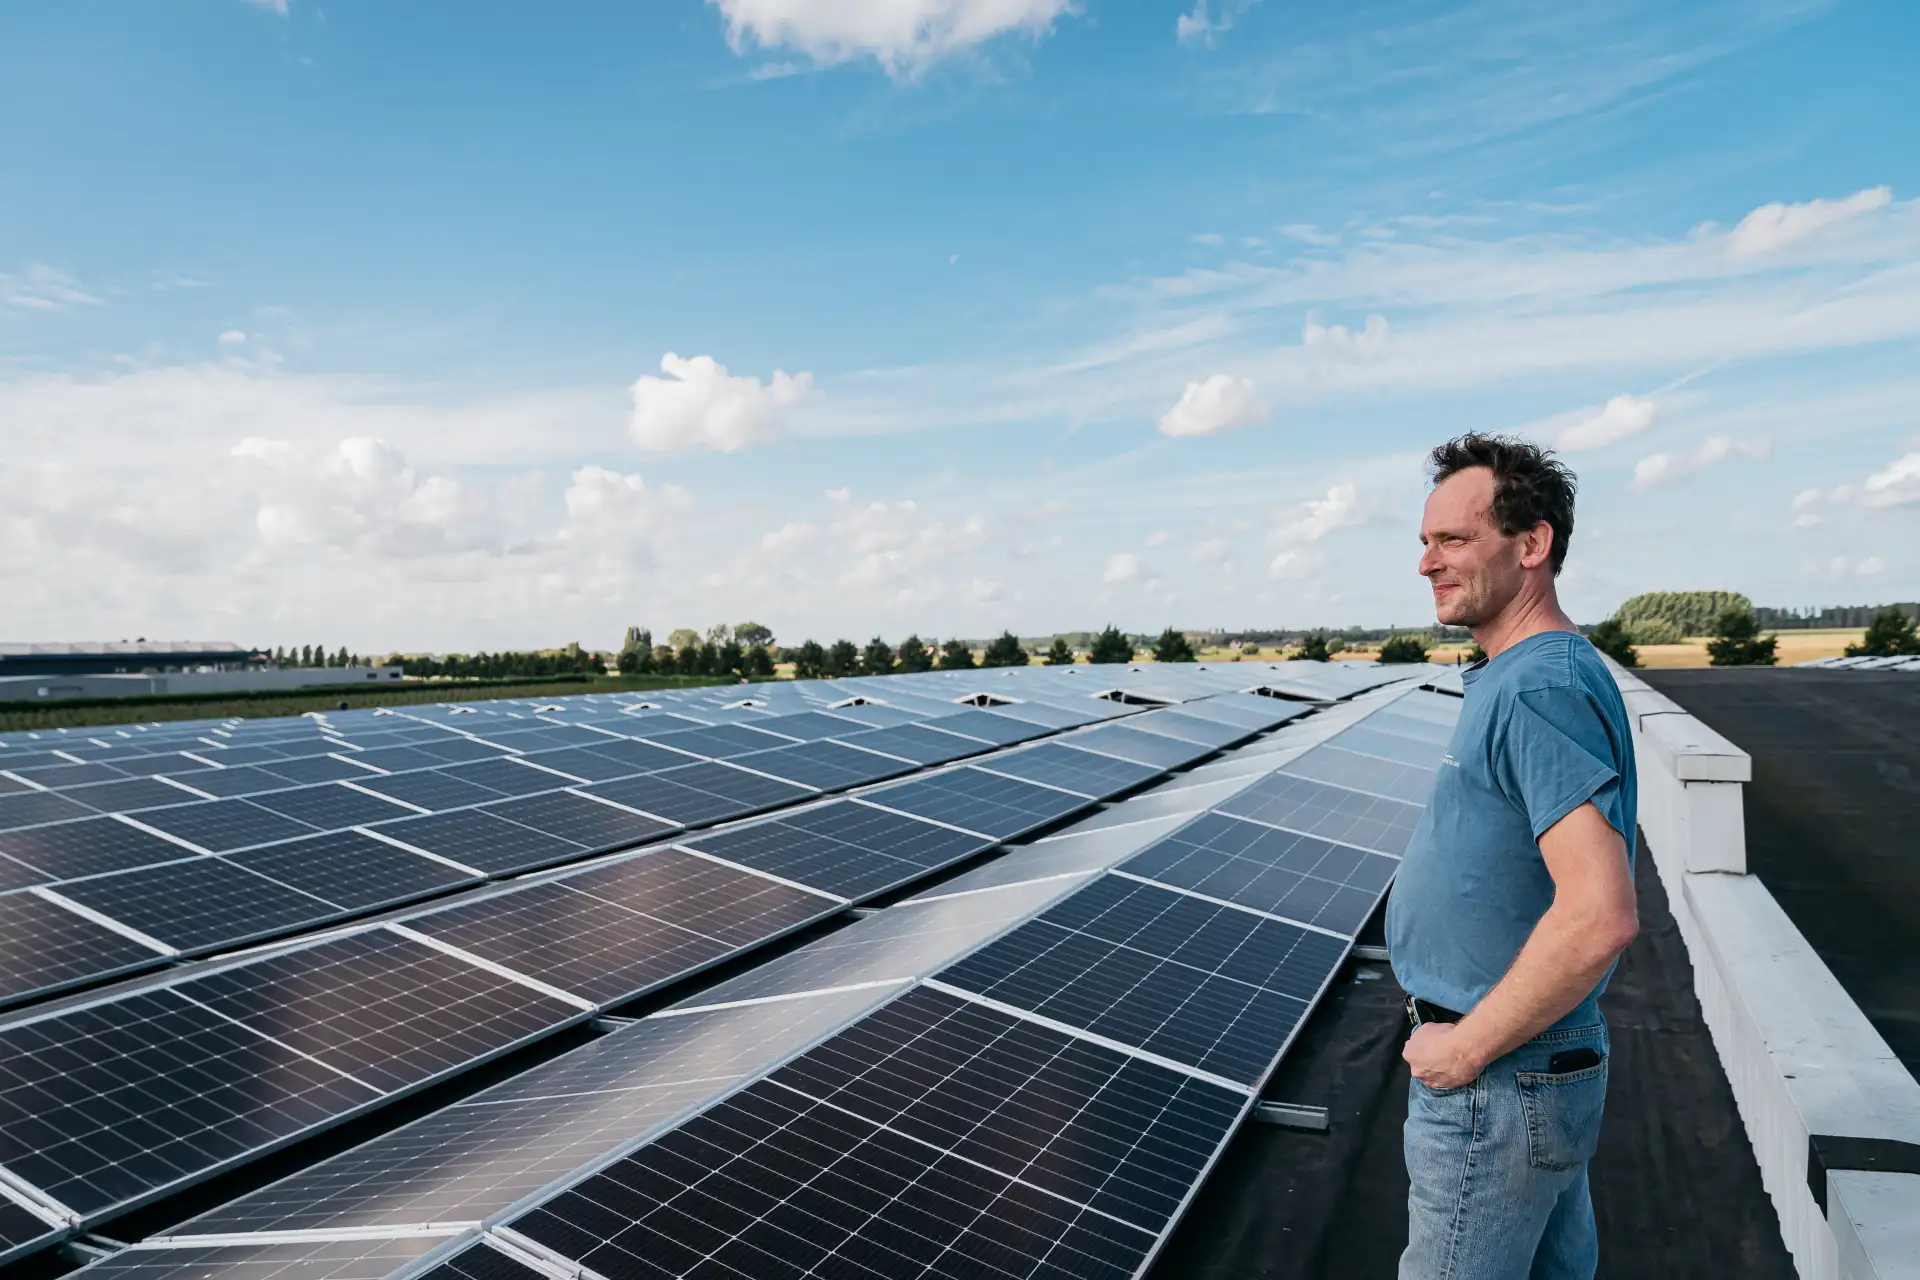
{"x":1419,"y":1011}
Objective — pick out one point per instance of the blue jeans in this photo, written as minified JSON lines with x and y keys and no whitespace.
{"x":1498,"y":1168}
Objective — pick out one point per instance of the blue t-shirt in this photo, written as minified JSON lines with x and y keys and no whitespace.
{"x":1543,"y":731}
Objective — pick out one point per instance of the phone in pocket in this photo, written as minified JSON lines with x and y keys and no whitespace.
{"x":1572,"y":1060}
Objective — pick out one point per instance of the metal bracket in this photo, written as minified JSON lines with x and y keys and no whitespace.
{"x":608,"y":1022}
{"x":1291,"y":1115}
{"x":1371,"y":954}
{"x":861,"y":913}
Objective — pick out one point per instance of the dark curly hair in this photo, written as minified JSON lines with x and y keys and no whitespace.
{"x":1529,"y":484}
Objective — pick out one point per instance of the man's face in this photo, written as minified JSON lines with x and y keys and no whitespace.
{"x":1475,"y":569}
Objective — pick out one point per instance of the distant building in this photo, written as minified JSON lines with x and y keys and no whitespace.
{"x":122,"y":657}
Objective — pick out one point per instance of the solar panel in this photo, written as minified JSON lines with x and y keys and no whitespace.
{"x":825,"y":765}
{"x":168,"y":762}
{"x":849,"y":849}
{"x":129,"y":795}
{"x":56,"y":776}
{"x":1282,"y":872}
{"x":1419,"y":728}
{"x":456,"y":750}
{"x":314,"y":769}
{"x":507,"y":776}
{"x":587,"y":823}
{"x":200,"y":903}
{"x":752,"y":791}
{"x":1328,"y":763}
{"x":245,"y":781}
{"x":1351,"y":817}
{"x":586,"y":764}
{"x":638,"y":757}
{"x":722,"y":740}
{"x":1176,"y":724}
{"x":482,"y":1262}
{"x":351,"y":1259}
{"x":621,"y":930}
{"x":480,"y":840}
{"x":1369,"y":740}
{"x":1055,"y":764}
{"x":919,"y":743}
{"x":1141,"y":748}
{"x":330,"y":806}
{"x":978,"y":801}
{"x":44,"y":947}
{"x":22,"y":1231}
{"x":433,"y":789}
{"x":658,"y":725}
{"x":807,"y":726}
{"x":673,"y":801}
{"x":354,"y":871}
{"x":396,"y":758}
{"x":92,"y":846}
{"x":31,"y":808}
{"x":1211,"y":986}
{"x":219,"y":825}
{"x":988,"y":727}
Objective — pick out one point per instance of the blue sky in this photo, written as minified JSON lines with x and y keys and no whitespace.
{"x":478,"y":326}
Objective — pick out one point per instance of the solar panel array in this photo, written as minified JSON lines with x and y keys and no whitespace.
{"x":1027,"y":1072}
{"x":109,"y":1102}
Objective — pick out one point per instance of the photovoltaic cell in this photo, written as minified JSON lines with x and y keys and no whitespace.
{"x":247,"y":780}
{"x":1418,"y":728}
{"x":353,"y":871}
{"x":826,"y":765}
{"x":57,"y":776}
{"x":352,"y":1259}
{"x":170,"y":1091}
{"x":330,"y":807}
{"x":1192,"y":728}
{"x":1298,"y":876}
{"x":1141,"y":748}
{"x":918,"y":743}
{"x":389,"y":1011}
{"x":979,"y":801}
{"x":22,"y":1232}
{"x":586,"y":764}
{"x":587,"y":823}
{"x":722,"y":740}
{"x":1328,"y":763}
{"x":431,"y":789}
{"x":481,"y":1262}
{"x":1091,"y":1125}
{"x":638,"y":757}
{"x":168,"y":763}
{"x":1211,"y":986}
{"x":506,"y":776}
{"x":753,"y":791}
{"x":31,"y":808}
{"x":808,"y":726}
{"x":670,"y":800}
{"x":128,"y":796}
{"x":220,"y":825}
{"x":1056,"y":764}
{"x":768,"y":1184}
{"x":481,"y":841}
{"x":44,"y":947}
{"x":200,"y":903}
{"x":456,"y":750}
{"x":1373,"y":741}
{"x":314,"y":769}
{"x":988,"y":727}
{"x":1316,"y":808}
{"x":397,"y":757}
{"x":90,"y":847}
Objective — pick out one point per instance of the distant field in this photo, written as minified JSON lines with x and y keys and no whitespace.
{"x":80,"y":713}
{"x":1794,"y":646}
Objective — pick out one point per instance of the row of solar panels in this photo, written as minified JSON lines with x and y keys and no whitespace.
{"x":1025,"y":1074}
{"x":109,"y":1103}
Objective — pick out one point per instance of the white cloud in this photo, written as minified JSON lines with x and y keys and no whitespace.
{"x":1895,"y":484}
{"x":1213,"y":551}
{"x":842,"y":494}
{"x":794,"y":533}
{"x":903,"y":36}
{"x":1202,"y":25}
{"x":1338,"y":341}
{"x":1773,"y":227}
{"x":1340,"y":509}
{"x":1307,"y":233}
{"x":232,"y":338}
{"x":1159,"y":539}
{"x":279,"y":7}
{"x":1621,"y":417}
{"x":1122,"y":566}
{"x":1663,"y":468}
{"x":1870,"y":566}
{"x":1805,"y":498}
{"x":699,"y":405}
{"x":44,"y":288}
{"x":360,"y":497}
{"x":1206,"y":237}
{"x":1221,"y":403}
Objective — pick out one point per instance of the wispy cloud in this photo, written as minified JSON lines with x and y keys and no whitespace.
{"x":44,"y":288}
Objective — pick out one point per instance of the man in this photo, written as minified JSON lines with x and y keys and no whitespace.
{"x":1516,"y":894}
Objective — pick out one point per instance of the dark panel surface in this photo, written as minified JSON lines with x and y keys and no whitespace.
{"x":1143,"y":748}
{"x":845,"y":848}
{"x":315,"y":769}
{"x":31,"y":808}
{"x":44,"y":947}
{"x":985,"y":725}
{"x":1317,"y":808}
{"x":655,"y":794}
{"x":980,"y":801}
{"x":918,"y":743}
{"x":433,"y":789}
{"x":754,"y":792}
{"x":587,"y":823}
{"x":351,"y":1259}
{"x":220,"y":825}
{"x":330,"y":807}
{"x":482,"y":841}
{"x":130,"y":795}
{"x":91,"y":847}
{"x":1056,"y":764}
{"x":200,"y":903}
{"x":826,"y":765}
{"x":722,"y":740}
{"x":506,"y":776}
{"x":1328,"y":763}
{"x":354,"y":871}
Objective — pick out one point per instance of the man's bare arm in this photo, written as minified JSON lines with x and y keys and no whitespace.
{"x":1591,"y":921}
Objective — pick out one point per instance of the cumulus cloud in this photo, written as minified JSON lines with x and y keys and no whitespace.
{"x":232,"y":338}
{"x":1664,"y":468}
{"x":1221,"y":403}
{"x":1773,"y":227}
{"x":1307,"y":233}
{"x":1206,"y":237}
{"x":699,"y":405}
{"x":1894,"y":485}
{"x":279,"y":7}
{"x":44,"y":288}
{"x":903,"y":36}
{"x":1340,"y":509}
{"x":1340,"y":342}
{"x":616,"y":523}
{"x":360,"y":497}
{"x":1204,"y":23}
{"x":1621,"y":417}
{"x":1122,"y":566}
{"x":1867,"y":567}
{"x":1213,"y":551}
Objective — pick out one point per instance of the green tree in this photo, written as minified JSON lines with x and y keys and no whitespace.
{"x":843,"y":659}
{"x":343,"y":658}
{"x":1005,"y":651}
{"x":728,"y":657}
{"x":628,"y":662}
{"x":1403,"y":649}
{"x":756,"y":663}
{"x":750,"y":634}
{"x":1611,"y":638}
{"x":1313,"y":648}
{"x":1737,"y":641}
{"x":956,"y":655}
{"x":682,"y":637}
{"x":1249,"y":650}
{"x":809,"y":661}
{"x":1172,"y":646}
{"x":1111,"y":646}
{"x":877,"y":658}
{"x":914,"y":655}
{"x":1692,"y":613}
{"x":1060,"y":655}
{"x":687,"y":660}
{"x":1336,"y":644}
{"x":1890,"y":635}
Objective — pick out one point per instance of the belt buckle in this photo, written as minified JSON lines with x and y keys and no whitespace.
{"x":1413,"y":1011}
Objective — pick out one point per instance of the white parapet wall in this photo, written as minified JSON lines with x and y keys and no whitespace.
{"x":1801,"y":1057}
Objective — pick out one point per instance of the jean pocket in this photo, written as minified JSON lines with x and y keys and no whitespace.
{"x":1563,"y":1115}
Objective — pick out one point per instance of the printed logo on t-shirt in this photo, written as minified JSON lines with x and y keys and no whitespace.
{"x":1448,"y":759}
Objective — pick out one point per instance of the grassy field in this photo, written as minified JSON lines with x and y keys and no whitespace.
{"x":1794,"y":646}
{"x":79,"y":713}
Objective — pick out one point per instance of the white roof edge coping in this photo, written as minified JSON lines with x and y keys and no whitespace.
{"x":1875,"y":1219}
{"x":1839,"y":1073}
{"x":1693,"y":752}
{"x":1646,"y":701}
